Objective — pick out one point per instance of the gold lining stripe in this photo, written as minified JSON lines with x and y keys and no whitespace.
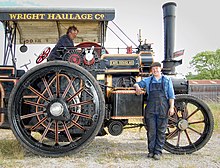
{"x":119,"y":55}
{"x":126,"y":92}
{"x":30,"y":97}
{"x":9,"y":80}
{"x":121,"y":70}
{"x":127,"y":117}
{"x":4,"y":76}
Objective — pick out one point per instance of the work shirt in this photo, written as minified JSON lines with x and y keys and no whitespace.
{"x":64,"y":41}
{"x":168,"y":85}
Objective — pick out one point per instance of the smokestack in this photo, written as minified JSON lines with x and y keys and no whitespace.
{"x":169,"y":38}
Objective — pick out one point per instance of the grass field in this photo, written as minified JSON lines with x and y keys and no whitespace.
{"x":215,"y":108}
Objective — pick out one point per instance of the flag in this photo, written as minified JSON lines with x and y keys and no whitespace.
{"x":178,"y":53}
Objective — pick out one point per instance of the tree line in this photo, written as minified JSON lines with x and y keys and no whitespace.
{"x":206,"y":64}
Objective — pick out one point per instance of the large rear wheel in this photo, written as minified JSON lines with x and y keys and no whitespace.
{"x":56,"y":109}
{"x":191,"y":127}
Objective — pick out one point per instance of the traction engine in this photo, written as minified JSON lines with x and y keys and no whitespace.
{"x":57,"y":108}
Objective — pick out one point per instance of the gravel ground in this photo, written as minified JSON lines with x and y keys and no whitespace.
{"x":127,"y":150}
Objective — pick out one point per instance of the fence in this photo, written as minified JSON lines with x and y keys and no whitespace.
{"x":208,"y":90}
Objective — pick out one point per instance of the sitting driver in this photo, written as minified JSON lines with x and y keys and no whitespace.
{"x":64,"y":41}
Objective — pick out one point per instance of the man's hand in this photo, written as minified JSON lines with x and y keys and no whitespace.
{"x":137,"y":89}
{"x":171,"y":111}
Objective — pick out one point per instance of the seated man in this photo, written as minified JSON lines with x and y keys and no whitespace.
{"x":64,"y":41}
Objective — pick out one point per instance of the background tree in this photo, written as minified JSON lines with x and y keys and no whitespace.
{"x":207,"y":65}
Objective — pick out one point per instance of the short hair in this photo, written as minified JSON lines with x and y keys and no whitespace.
{"x":72,"y":28}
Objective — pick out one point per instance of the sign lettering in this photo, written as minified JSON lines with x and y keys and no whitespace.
{"x":121,"y":62}
{"x":56,"y":16}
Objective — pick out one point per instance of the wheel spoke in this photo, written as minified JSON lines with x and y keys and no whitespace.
{"x":68,"y":87}
{"x":168,"y":130}
{"x":32,"y":115}
{"x":195,"y":130}
{"x":173,"y":119}
{"x":82,"y":103}
{"x":178,"y":139}
{"x":88,"y":93}
{"x":175,"y":111}
{"x":172,"y":134}
{"x":47,"y":87}
{"x":38,"y":124}
{"x":45,"y":132}
{"x":34,"y":104}
{"x":50,"y":83}
{"x":67,"y":132}
{"x":193,"y":113}
{"x":185,"y":112}
{"x":38,"y":93}
{"x":171,"y":125}
{"x":57,"y":85}
{"x":81,"y":83}
{"x":77,"y":125}
{"x":82,"y":115}
{"x":56,"y":132}
{"x":187,"y":135}
{"x":197,"y":122}
{"x":77,"y":93}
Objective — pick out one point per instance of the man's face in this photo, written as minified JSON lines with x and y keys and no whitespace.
{"x":73,"y":34}
{"x":156,"y":71}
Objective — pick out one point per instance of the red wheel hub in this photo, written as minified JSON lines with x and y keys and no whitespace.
{"x":75,"y":58}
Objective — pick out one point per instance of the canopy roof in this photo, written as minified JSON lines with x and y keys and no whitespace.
{"x":44,"y":25}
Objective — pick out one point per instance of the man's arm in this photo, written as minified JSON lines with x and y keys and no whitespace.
{"x":137,"y":88}
{"x":171,"y":102}
{"x":171,"y":96}
{"x":171,"y":109}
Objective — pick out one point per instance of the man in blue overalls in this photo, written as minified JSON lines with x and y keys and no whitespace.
{"x":160,"y":104}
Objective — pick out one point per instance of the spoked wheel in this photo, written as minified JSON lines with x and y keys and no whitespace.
{"x":191,"y":127}
{"x":56,"y":109}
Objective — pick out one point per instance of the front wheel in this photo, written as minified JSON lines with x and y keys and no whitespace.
{"x":191,"y":127}
{"x":56,"y":109}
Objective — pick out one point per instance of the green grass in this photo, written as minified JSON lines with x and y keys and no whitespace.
{"x":11,"y":149}
{"x":215,"y":109}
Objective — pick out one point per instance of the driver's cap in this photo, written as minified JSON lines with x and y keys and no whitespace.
{"x":155,"y":64}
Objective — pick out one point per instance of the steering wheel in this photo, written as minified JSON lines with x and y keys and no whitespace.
{"x":97,"y":47}
{"x":44,"y":54}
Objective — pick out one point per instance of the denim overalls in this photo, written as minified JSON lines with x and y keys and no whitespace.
{"x":156,"y":116}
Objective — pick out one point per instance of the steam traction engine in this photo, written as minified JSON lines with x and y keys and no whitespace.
{"x":57,"y":108}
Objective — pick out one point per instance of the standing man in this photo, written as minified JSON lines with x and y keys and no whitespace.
{"x":64,"y":41}
{"x":160,"y":104}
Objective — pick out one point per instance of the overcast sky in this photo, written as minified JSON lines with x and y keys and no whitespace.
{"x":197,"y":24}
